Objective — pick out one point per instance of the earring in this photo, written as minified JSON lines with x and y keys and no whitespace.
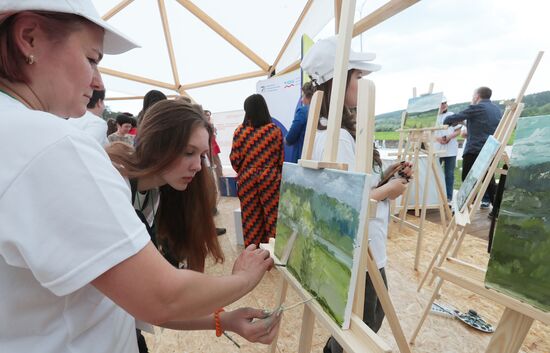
{"x":30,"y":59}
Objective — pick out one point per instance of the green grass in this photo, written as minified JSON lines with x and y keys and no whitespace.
{"x":386,"y":135}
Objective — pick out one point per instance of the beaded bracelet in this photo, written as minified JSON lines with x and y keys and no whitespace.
{"x":217,"y":322}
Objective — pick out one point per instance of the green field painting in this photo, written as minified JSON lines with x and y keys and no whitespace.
{"x":422,"y":111}
{"x":520,"y":257}
{"x":324,"y":209}
{"x":478,"y":170}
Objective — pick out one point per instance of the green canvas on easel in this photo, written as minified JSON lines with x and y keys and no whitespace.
{"x":325,"y":212}
{"x":422,"y":111}
{"x":520,"y":257}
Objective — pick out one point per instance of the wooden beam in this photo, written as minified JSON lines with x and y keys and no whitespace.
{"x":216,"y":27}
{"x":168,"y":38}
{"x":116,"y":9}
{"x":337,"y":12}
{"x":136,"y":78}
{"x":381,"y":14}
{"x":224,"y":80}
{"x":127,"y":98}
{"x":294,"y":66}
{"x":375,"y":18}
{"x":292,"y":32}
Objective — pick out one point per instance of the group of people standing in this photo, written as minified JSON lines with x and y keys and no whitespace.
{"x":93,"y":239}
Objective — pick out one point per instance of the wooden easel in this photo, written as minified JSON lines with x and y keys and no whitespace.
{"x":518,"y":317}
{"x":359,"y":337}
{"x":456,"y":230}
{"x":412,"y":144}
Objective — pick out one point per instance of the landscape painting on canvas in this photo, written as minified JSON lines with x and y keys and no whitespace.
{"x":479,"y":168}
{"x":520,"y":257}
{"x":422,"y":111}
{"x":323,"y":212}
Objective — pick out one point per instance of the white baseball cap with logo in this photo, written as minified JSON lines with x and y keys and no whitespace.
{"x":114,"y":42}
{"x":318,"y":62}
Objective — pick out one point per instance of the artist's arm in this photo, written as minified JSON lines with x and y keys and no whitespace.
{"x":298,"y":125}
{"x":152,"y":290}
{"x":254,"y":325}
{"x":396,"y":186}
{"x":391,"y":190}
{"x":470,"y":113}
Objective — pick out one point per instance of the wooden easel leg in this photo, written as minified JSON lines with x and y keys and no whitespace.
{"x":426,"y":311}
{"x":282,"y":296}
{"x":443,"y":256}
{"x":458,"y":243}
{"x":449,"y":234}
{"x":442,"y":195}
{"x":387,"y":305}
{"x":510,"y":333}
{"x":423,"y":213}
{"x":306,"y":336}
{"x":416,"y":180}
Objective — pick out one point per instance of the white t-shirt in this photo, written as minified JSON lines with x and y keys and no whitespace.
{"x":378,"y":227}
{"x":449,"y":149}
{"x":65,"y":219}
{"x":93,"y":125}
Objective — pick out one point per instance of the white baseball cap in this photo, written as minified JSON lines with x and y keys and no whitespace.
{"x":114,"y":42}
{"x":319,"y":60}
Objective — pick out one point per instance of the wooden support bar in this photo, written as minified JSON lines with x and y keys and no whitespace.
{"x":364,"y":135}
{"x":282,"y":296}
{"x":168,"y":39}
{"x":224,"y":80}
{"x":306,"y":335}
{"x":463,"y":278}
{"x":391,"y":8}
{"x":339,"y":82}
{"x":292,"y":33}
{"x":337,"y":15}
{"x":511,"y":331}
{"x":216,"y":27}
{"x":311,"y":125}
{"x":312,"y":164}
{"x":119,"y":7}
{"x":136,"y":78}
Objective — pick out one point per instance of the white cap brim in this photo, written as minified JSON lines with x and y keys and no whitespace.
{"x":114,"y":42}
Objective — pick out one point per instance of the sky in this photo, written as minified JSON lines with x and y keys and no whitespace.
{"x":458,"y":45}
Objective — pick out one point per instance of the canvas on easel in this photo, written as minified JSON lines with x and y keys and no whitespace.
{"x":419,"y":123}
{"x":422,"y":111}
{"x":518,"y":316}
{"x":324,"y":212}
{"x":478,"y":170}
{"x":520,"y":257}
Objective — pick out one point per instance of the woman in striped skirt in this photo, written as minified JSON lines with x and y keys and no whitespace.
{"x":257,"y":156}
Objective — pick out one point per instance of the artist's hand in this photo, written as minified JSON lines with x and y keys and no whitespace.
{"x":396,"y":187}
{"x":252,"y":263}
{"x":442,"y":141}
{"x":255,"y":325}
{"x":407,"y":170}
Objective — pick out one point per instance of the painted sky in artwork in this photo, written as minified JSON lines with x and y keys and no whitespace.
{"x":532,"y":143}
{"x":424,"y":103}
{"x":341,"y":186}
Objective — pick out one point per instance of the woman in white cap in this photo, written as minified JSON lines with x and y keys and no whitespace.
{"x":76,"y":263}
{"x":319,"y":64}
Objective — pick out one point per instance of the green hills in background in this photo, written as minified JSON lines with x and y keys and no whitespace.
{"x":535,"y":104}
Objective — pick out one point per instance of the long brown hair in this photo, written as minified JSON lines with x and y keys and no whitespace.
{"x":185,"y":223}
{"x":349,"y":116}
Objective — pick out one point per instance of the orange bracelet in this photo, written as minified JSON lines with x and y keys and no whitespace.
{"x":217,"y":322}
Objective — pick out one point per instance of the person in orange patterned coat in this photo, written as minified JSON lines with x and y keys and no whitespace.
{"x":257,"y":155}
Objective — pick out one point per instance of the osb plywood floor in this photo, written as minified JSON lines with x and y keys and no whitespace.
{"x":439,"y":334}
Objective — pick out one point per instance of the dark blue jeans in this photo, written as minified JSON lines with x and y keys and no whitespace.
{"x":449,"y":165}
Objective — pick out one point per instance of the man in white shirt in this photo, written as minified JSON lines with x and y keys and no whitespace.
{"x":447,"y":145}
{"x":92,"y":121}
